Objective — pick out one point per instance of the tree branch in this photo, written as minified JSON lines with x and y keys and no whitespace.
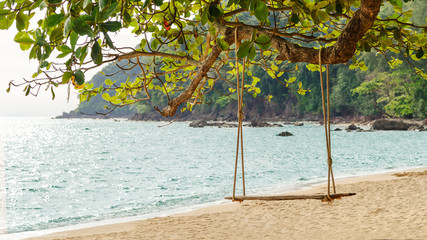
{"x":345,"y":45}
{"x":136,"y":54}
{"x":204,"y":68}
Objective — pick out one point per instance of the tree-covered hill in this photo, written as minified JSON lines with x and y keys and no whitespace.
{"x":378,"y":91}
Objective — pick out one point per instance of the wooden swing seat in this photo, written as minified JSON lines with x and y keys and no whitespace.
{"x":290,"y":197}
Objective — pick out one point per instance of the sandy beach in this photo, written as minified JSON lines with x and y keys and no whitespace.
{"x":387,"y":206}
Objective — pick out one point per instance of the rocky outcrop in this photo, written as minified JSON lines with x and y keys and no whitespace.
{"x":204,"y":123}
{"x":256,"y":123}
{"x":299,"y":124}
{"x":198,"y":124}
{"x":417,"y":128}
{"x":285,"y":134}
{"x":385,"y":124}
{"x":352,"y":127}
{"x":363,"y":130}
{"x":337,"y":129}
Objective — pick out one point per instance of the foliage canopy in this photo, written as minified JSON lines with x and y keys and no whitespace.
{"x":186,"y":46}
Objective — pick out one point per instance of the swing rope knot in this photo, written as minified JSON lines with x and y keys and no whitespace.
{"x":240,"y":114}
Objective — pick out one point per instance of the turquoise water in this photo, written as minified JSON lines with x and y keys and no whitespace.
{"x":61,"y":172}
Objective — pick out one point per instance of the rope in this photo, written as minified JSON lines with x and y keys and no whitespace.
{"x":329,"y":129}
{"x":327,"y":121}
{"x":240,"y":121}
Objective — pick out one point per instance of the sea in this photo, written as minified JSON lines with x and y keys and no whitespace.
{"x":67,"y":173}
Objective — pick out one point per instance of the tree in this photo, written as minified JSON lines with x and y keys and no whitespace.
{"x":187,"y":46}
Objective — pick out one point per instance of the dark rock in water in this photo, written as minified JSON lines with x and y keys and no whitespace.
{"x":417,"y":128}
{"x":256,"y":123}
{"x":298,"y":124}
{"x":285,"y":134}
{"x":352,"y":127}
{"x":363,"y":130}
{"x":198,"y":124}
{"x":384,"y":124}
{"x":337,"y":129}
{"x":204,"y":123}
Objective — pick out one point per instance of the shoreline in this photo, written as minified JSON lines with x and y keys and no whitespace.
{"x":220,"y":207}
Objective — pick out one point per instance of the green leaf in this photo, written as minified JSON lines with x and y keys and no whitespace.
{"x":109,"y":82}
{"x":86,"y":3}
{"x":127,"y":18}
{"x":96,"y":53}
{"x":146,"y":3}
{"x":81,"y":53}
{"x":28,"y":89}
{"x":155,"y":43}
{"x":244,"y":4}
{"x":106,"y":97}
{"x":230,"y":2}
{"x":205,"y":16}
{"x":323,"y":16}
{"x":79,"y":77}
{"x":244,"y":49}
{"x":158,"y":2}
{"x":53,"y":93}
{"x":338,"y":8}
{"x":322,"y":4}
{"x":261,"y":11}
{"x":112,"y":26}
{"x":5,"y":22}
{"x":252,"y":52}
{"x":420,"y":53}
{"x":23,"y":37}
{"x":68,"y":26}
{"x":103,"y":4}
{"x":222,"y":44}
{"x":54,"y":19}
{"x":108,"y":40}
{"x":65,"y":49}
{"x":263,"y":42}
{"x":82,"y":28}
{"x":396,"y":3}
{"x":110,"y":10}
{"x":56,"y":35}
{"x":263,"y":39}
{"x":66,"y":77}
{"x":212,"y":31}
{"x":73,"y":39}
{"x":20,"y":21}
{"x":295,"y":18}
{"x":214,"y":11}
{"x":143,"y":43}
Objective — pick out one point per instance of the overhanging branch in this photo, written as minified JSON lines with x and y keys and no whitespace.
{"x":136,"y":54}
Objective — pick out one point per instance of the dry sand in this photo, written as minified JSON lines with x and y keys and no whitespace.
{"x":387,"y":206}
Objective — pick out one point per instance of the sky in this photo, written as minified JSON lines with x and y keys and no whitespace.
{"x":15,"y":65}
